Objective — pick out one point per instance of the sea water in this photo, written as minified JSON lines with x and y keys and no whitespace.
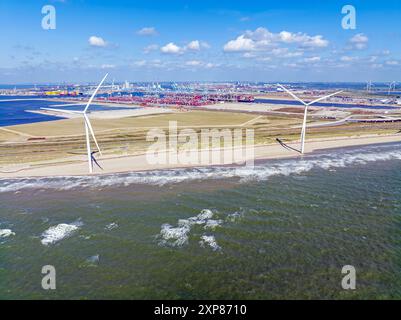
{"x":284,"y":229}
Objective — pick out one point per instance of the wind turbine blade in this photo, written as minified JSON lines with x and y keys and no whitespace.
{"x":92,"y":133}
{"x":325,"y":97}
{"x":88,"y":147}
{"x":94,"y":93}
{"x":290,"y":93}
{"x":63,"y":110}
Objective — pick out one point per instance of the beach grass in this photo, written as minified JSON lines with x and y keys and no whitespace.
{"x":64,"y":140}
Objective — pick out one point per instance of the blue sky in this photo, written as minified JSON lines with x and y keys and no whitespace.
{"x":199,"y":40}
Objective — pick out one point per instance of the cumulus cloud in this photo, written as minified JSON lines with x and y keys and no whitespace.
{"x":263,"y":39}
{"x":240,"y":44}
{"x":171,"y":48}
{"x":303,"y":39}
{"x":95,"y":41}
{"x":194,"y":45}
{"x":147,"y":31}
{"x":359,"y":41}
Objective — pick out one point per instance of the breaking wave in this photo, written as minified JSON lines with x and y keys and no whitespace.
{"x":59,"y":232}
{"x":4,"y":233}
{"x":111,"y":226}
{"x":179,"y":235}
{"x":326,"y":161}
{"x":209,"y":241}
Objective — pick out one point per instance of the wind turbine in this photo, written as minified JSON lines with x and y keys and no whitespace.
{"x":369,"y":86}
{"x":391,"y":87}
{"x":306,"y":104}
{"x":88,"y":126}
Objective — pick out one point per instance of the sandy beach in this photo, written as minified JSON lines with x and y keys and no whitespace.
{"x":77,"y":165}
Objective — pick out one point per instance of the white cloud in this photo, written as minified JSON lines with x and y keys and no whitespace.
{"x":240,"y":44}
{"x":262,"y":39}
{"x":200,"y":64}
{"x":303,"y":39}
{"x":279,"y":53}
{"x":171,"y":48}
{"x":155,"y":63}
{"x":392,"y":63}
{"x":194,"y":45}
{"x":95,"y":41}
{"x":147,"y":31}
{"x":359,"y":41}
{"x":347,"y":58}
{"x":139,"y":63}
{"x":285,"y":53}
{"x":312,"y":59}
{"x":204,"y":44}
{"x":193,"y":63}
{"x":249,"y":55}
{"x":150,"y":48}
{"x":293,"y":54}
{"x":108,"y":66}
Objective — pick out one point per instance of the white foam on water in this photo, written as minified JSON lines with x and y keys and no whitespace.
{"x":4,"y":233}
{"x":327,"y":161}
{"x":59,"y":232}
{"x":111,"y":226}
{"x":204,"y":215}
{"x":209,"y":241}
{"x":176,"y":236}
{"x":233,"y":217}
{"x":201,"y":218}
{"x":213,"y":224}
{"x":179,"y":235}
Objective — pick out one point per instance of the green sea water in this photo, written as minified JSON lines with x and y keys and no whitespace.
{"x":282,"y":230}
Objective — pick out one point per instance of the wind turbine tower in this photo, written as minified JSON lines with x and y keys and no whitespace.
{"x":88,"y":126}
{"x":306,"y":104}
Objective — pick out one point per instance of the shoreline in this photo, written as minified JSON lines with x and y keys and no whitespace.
{"x":139,"y":163}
